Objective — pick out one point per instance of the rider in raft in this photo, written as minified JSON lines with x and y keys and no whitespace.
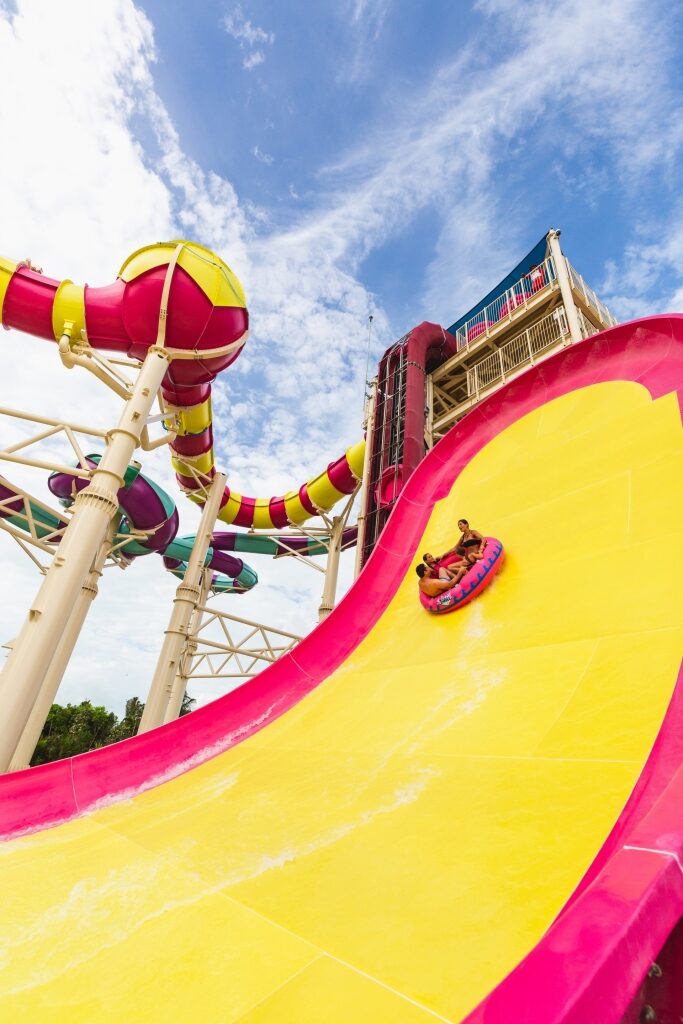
{"x":433,"y":585}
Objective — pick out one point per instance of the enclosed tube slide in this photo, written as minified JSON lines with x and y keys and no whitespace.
{"x":206,"y":314}
{"x":278,"y":546}
{"x":193,"y":460}
{"x":397,"y":444}
{"x":147,"y":507}
{"x":425,"y":347}
{"x":177,"y":553}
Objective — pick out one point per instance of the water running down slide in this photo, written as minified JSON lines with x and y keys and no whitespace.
{"x":398,"y":845}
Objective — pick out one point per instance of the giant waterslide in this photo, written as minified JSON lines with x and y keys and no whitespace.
{"x":408,"y":818}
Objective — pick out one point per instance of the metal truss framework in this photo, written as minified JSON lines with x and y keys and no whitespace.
{"x":38,"y":529}
{"x":36,"y":662}
{"x":234,"y":656}
{"x":32,"y":532}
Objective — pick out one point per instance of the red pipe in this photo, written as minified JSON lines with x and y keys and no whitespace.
{"x":428,"y":346}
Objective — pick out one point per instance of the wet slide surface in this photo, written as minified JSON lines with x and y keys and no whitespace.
{"x":396,"y":842}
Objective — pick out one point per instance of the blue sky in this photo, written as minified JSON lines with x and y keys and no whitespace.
{"x":344,"y":157}
{"x":301,"y":94}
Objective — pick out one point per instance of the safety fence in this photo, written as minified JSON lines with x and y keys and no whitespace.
{"x":520,"y":350}
{"x":591,"y":299}
{"x":588,"y":328}
{"x":537,"y":280}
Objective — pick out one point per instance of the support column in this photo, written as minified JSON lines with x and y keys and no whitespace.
{"x":185,"y":601}
{"x":41,"y":709}
{"x":565,"y":286}
{"x":185,"y":661}
{"x":429,"y":415}
{"x":94,"y":508}
{"x":332,"y":569}
{"x":365,"y":484}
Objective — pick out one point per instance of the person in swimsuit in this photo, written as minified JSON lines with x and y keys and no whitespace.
{"x":471,"y":543}
{"x":454,"y":572}
{"x":430,"y":584}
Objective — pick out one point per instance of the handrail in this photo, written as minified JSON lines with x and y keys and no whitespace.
{"x":537,"y":280}
{"x":589,"y":295}
{"x":520,"y":350}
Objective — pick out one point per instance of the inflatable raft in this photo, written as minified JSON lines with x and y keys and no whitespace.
{"x":477,"y":579}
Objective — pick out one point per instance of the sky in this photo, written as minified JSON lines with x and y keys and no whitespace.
{"x":351,"y":158}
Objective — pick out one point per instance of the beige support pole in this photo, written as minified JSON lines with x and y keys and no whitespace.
{"x":94,"y":509}
{"x":367,"y":462}
{"x":188,"y":653}
{"x":184,"y":604}
{"x":41,"y":709}
{"x":332,"y":569}
{"x":565,"y":285}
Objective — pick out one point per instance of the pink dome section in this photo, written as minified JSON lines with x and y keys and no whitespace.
{"x":128,"y":312}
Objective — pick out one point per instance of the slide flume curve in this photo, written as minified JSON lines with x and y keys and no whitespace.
{"x":408,"y":818}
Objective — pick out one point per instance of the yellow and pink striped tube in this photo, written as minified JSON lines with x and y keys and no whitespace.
{"x":193,"y":460}
{"x":206,"y":308}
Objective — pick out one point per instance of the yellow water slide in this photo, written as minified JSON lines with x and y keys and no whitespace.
{"x":392,"y":846}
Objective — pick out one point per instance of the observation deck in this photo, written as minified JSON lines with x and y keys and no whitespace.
{"x":549,"y":307}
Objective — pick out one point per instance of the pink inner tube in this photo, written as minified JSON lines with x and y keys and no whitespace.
{"x":477,"y":579}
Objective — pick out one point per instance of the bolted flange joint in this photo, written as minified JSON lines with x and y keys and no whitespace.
{"x":101,"y":499}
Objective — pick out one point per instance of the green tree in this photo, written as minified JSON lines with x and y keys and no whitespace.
{"x":128,"y":726}
{"x":73,"y":729}
{"x":187,"y":706}
{"x":77,"y":728}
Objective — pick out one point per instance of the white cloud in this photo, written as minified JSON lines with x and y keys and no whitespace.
{"x":263,"y":158}
{"x":79,"y":212}
{"x":647,"y":276}
{"x":237,"y":26}
{"x":248,"y":36}
{"x":253,"y":60}
{"x":365,"y":18}
{"x":552,"y":89}
{"x":79,"y":191}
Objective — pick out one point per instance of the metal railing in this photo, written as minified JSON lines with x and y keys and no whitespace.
{"x":243,"y":650}
{"x":520,"y":350}
{"x":580,"y":286}
{"x":588,"y":328}
{"x":503,"y":307}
